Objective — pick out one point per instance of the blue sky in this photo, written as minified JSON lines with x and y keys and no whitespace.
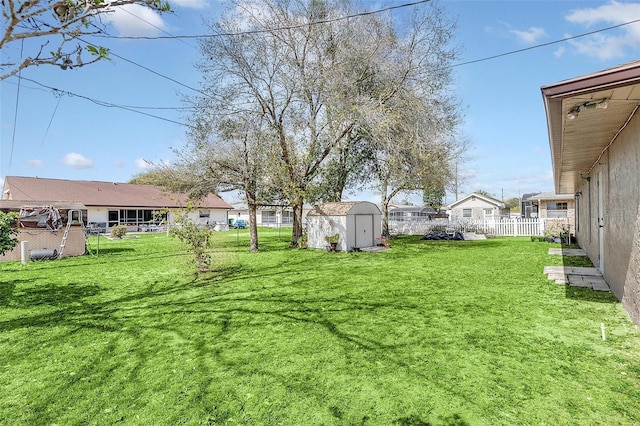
{"x":65,"y":134}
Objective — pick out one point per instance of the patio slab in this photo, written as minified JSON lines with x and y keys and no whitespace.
{"x":577,"y":277}
{"x":567,"y":252}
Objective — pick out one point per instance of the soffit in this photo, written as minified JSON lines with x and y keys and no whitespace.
{"x":577,"y":144}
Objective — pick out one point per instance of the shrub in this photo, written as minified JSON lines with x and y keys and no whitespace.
{"x":197,"y":240}
{"x":7,"y":233}
{"x":119,"y":231}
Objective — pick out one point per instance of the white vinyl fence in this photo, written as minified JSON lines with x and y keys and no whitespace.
{"x":512,"y":227}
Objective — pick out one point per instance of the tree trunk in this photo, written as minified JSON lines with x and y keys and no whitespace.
{"x":385,"y":217}
{"x":253,"y":224}
{"x":384,"y":203}
{"x":296,"y":233}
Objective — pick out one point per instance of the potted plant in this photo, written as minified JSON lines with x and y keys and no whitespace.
{"x":332,"y":240}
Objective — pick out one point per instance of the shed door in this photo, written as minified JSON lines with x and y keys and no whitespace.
{"x":364,"y":230}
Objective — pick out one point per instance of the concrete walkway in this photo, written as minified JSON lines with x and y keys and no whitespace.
{"x":567,"y":252}
{"x":575,"y":276}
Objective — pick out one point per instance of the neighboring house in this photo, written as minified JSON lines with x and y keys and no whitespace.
{"x":357,"y":223}
{"x":411,"y":213}
{"x":477,"y":207}
{"x":554,"y":207}
{"x":594,"y":135}
{"x":109,"y":204}
{"x":267,"y":215}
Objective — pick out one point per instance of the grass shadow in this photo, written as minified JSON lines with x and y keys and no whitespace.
{"x":50,"y":294}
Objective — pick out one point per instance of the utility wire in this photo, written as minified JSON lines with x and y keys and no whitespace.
{"x":106,"y":104}
{"x":512,"y":52}
{"x":46,"y":132}
{"x":268,"y":30}
{"x":131,"y":108}
{"x":156,"y":27}
{"x":15,"y":115}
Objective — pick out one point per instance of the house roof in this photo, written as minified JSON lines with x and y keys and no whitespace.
{"x":486,"y":198}
{"x":94,"y":193}
{"x":577,"y":143}
{"x":413,"y":209}
{"x":549,"y":196}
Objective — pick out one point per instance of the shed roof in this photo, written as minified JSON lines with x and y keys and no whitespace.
{"x":342,"y":208}
{"x":95,"y":193}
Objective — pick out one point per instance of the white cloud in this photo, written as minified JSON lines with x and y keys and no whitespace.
{"x":610,"y":44}
{"x":141,"y":164}
{"x":35,"y":162}
{"x":118,"y":163}
{"x":559,"y":51}
{"x":134,"y":20}
{"x":530,"y":36}
{"x":77,"y":161}
{"x":190,"y":4}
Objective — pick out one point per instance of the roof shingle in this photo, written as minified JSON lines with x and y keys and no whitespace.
{"x":94,"y":193}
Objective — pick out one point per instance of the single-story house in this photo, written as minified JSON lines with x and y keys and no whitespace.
{"x":109,"y":204}
{"x":357,"y":223}
{"x":477,"y":207}
{"x":594,"y":136}
{"x":550,"y":207}
{"x":411,"y":213}
{"x":267,"y":215}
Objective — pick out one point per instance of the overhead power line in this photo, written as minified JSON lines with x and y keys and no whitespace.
{"x":537,"y":46}
{"x":268,"y":30}
{"x":108,"y":104}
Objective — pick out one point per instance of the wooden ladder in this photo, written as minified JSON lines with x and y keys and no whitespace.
{"x":63,"y":243}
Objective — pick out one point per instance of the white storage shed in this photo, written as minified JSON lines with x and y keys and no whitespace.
{"x":358,"y":223}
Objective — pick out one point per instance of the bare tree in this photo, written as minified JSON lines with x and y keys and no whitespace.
{"x":297,"y":75}
{"x":336,"y":97}
{"x":414,"y":129}
{"x":57,"y":24}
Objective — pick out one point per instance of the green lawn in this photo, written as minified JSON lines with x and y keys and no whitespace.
{"x":428,"y":333}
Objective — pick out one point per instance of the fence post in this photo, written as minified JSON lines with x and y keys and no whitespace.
{"x":24,"y":252}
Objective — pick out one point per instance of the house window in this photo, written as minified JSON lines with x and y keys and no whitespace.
{"x":467,"y":213}
{"x":132,"y":217}
{"x":269,"y":216}
{"x":114,"y":218}
{"x":488,"y":213}
{"x":203,"y":214}
{"x":287,"y":217}
{"x":557,"y":210}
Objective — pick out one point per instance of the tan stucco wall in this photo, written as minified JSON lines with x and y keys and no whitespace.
{"x":43,"y":239}
{"x":571,"y":212}
{"x":619,"y":176}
